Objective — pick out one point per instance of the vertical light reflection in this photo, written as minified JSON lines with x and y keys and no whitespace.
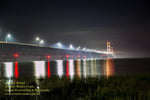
{"x":109,"y":67}
{"x":48,"y":68}
{"x":9,"y":83}
{"x":0,"y":70}
{"x":38,"y":88}
{"x":39,"y":68}
{"x":8,"y":69}
{"x":16,"y":69}
{"x":104,"y":67}
{"x":67,"y":68}
{"x":94,"y":68}
{"x":84,"y":68}
{"x":59,"y":67}
{"x":87,"y":68}
{"x":78,"y":70}
{"x":71,"y":68}
{"x":99,"y":67}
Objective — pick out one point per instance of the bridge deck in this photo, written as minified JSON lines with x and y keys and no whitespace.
{"x":35,"y":52}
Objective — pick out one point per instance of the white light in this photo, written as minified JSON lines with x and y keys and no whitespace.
{"x":59,"y":44}
{"x":88,"y":49}
{"x":37,"y":39}
{"x":39,"y":69}
{"x":8,"y":35}
{"x":8,"y":69}
{"x":59,"y":67}
{"x":78,"y":48}
{"x":71,"y":46}
{"x":92,"y":50}
{"x":71,"y":69}
{"x":41,"y":41}
{"x":84,"y":48}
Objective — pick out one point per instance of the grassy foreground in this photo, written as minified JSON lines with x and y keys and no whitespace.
{"x":123,"y":87}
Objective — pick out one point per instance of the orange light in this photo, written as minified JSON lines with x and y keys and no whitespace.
{"x":67,"y":56}
{"x":15,"y":55}
{"x":110,"y":67}
{"x":48,"y":56}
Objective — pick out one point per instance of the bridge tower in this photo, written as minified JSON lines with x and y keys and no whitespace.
{"x":108,"y":46}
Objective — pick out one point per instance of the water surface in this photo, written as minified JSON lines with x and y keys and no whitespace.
{"x":70,"y":68}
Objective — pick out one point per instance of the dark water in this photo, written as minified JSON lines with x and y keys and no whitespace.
{"x":132,"y":66}
{"x":81,"y":68}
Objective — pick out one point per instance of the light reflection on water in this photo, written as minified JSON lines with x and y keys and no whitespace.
{"x":59,"y":67}
{"x":39,"y":70}
{"x":109,"y":67}
{"x":80,"y":68}
{"x":8,"y":69}
{"x":94,"y":68}
{"x":9,"y":83}
{"x":48,"y":68}
{"x":71,"y":68}
{"x":84,"y":68}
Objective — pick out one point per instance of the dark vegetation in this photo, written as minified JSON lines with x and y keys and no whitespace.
{"x":122,"y":87}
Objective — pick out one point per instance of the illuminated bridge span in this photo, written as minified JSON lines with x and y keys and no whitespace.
{"x":29,"y":52}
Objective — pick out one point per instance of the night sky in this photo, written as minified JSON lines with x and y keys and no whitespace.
{"x":89,"y":23}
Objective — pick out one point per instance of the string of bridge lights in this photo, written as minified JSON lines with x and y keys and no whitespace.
{"x":59,"y":45}
{"x":71,"y":47}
